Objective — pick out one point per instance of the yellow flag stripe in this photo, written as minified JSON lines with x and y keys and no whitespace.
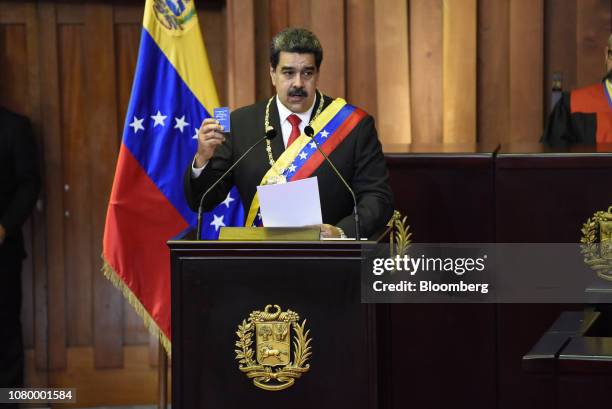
{"x":187,"y":53}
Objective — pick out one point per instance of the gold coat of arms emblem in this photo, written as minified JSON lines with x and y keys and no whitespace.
{"x":597,"y":243}
{"x":270,"y":364}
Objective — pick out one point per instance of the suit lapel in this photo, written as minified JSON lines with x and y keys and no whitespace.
{"x":278,"y":146}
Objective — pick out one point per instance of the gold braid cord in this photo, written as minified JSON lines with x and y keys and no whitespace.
{"x":267,"y":126}
{"x":598,"y":255}
{"x":149,"y":323}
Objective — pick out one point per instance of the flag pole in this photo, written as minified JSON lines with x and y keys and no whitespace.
{"x":162,"y":375}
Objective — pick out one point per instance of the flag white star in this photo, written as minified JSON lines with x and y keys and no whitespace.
{"x":137,"y":124}
{"x":259,"y":215}
{"x":303,"y":155}
{"x":228,"y":200}
{"x":324,"y":133}
{"x":159,"y":119}
{"x":292,"y":168}
{"x":313,"y":145}
{"x":217,"y":222}
{"x":180,"y":123}
{"x":195,"y":136}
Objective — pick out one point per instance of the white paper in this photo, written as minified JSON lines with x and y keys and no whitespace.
{"x":290,"y":204}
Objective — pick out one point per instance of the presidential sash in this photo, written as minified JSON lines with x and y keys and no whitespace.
{"x":302,"y":158}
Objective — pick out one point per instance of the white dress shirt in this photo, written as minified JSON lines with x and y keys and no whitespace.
{"x":283,"y":114}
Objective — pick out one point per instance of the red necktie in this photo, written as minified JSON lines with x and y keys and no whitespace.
{"x":294,"y":120}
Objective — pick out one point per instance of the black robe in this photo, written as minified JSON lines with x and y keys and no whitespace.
{"x":583,"y":116}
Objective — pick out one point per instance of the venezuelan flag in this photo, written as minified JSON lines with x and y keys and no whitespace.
{"x":172,"y":93}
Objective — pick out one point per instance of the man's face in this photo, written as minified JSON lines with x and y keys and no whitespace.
{"x":295,"y":79}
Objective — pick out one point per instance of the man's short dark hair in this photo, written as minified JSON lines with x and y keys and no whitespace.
{"x":295,"y":40}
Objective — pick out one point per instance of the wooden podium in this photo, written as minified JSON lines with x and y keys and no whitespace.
{"x":216,"y":285}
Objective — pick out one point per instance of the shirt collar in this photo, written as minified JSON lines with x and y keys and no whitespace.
{"x":284,"y":112}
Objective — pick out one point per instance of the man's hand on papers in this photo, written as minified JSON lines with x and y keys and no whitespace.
{"x":328,"y":231}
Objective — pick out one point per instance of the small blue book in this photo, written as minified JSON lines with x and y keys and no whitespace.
{"x":223,"y":116}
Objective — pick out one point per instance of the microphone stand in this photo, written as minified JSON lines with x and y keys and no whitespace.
{"x":310,"y":133}
{"x":270,"y":134}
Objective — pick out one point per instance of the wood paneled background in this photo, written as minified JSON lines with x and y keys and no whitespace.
{"x":430,"y":71}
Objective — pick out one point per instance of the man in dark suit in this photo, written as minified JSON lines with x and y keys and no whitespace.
{"x":19,"y":186}
{"x":295,"y":60}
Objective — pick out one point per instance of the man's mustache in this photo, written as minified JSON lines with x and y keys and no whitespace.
{"x":297,"y":92}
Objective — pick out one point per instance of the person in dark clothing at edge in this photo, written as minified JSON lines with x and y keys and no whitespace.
{"x":584,"y":115}
{"x":19,"y":187}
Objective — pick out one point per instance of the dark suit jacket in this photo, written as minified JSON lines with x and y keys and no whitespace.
{"x":19,"y":181}
{"x":359,"y":158}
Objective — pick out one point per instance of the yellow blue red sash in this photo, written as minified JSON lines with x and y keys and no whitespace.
{"x":301,"y":159}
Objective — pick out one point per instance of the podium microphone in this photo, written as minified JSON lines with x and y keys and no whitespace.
{"x":270,"y":134}
{"x":310,"y":133}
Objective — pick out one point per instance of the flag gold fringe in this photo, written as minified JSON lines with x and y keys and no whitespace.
{"x":149,"y":323}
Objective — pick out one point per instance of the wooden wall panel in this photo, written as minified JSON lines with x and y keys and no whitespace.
{"x":300,"y":14}
{"x":214,"y":27}
{"x":12,"y":13}
{"x":76,"y":186}
{"x":36,"y":248}
{"x":102,"y":127}
{"x":459,"y":71}
{"x":69,"y":13}
{"x":128,"y":14}
{"x":426,"y":70}
{"x":35,"y":239}
{"x":278,"y":15}
{"x":263,"y":36}
{"x":526,"y":69}
{"x":14,"y":84}
{"x":392,"y":70}
{"x":37,"y":251}
{"x":592,"y":31}
{"x":493,"y":71}
{"x":329,"y":26}
{"x":240,"y":53}
{"x":127,"y":40}
{"x":153,"y":351}
{"x":134,"y":331}
{"x":360,"y":56}
{"x":560,"y":46}
{"x":55,"y":329}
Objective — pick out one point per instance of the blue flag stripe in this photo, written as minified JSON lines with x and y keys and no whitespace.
{"x":160,"y":128}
